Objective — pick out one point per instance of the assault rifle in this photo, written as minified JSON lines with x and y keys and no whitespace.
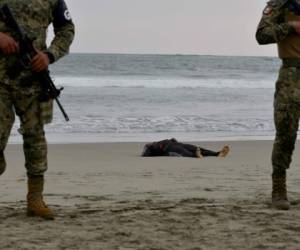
{"x":27,"y":52}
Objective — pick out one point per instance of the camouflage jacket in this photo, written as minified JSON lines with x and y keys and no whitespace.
{"x":34,"y":17}
{"x":273,"y":26}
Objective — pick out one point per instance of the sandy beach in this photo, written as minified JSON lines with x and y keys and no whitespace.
{"x":107,"y":197}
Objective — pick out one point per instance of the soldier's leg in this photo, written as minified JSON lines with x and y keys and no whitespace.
{"x":286,"y":119}
{"x":7,"y":118}
{"x":286,"y":123}
{"x":35,"y":150}
{"x":28,"y":108}
{"x":34,"y":141}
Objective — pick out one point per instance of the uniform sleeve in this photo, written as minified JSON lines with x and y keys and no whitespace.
{"x":64,"y":32}
{"x":272,"y":27}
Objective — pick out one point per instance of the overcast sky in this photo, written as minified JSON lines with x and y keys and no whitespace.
{"x":168,"y":26}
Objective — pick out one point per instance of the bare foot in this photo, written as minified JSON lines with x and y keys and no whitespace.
{"x":225,"y":150}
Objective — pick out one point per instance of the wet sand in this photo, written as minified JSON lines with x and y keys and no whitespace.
{"x":107,"y":197}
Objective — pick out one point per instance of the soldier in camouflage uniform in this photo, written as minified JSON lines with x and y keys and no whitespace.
{"x":281,"y":25}
{"x":20,"y":92}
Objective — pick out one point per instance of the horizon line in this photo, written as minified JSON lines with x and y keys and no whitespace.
{"x":169,"y":54}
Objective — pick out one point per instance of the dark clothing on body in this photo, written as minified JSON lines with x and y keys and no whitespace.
{"x":174,"y":148}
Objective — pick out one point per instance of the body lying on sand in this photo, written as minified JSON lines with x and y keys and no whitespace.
{"x":171,"y":147}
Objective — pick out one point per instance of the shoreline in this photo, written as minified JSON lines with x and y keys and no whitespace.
{"x":137,"y":138}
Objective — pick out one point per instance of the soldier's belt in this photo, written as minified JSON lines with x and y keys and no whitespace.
{"x":291,"y":62}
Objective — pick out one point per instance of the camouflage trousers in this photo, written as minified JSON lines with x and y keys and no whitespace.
{"x":25,"y":103}
{"x":286,"y":115}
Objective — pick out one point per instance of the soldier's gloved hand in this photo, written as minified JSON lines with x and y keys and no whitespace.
{"x":8,"y":45}
{"x":296,"y":25}
{"x":40,"y":62}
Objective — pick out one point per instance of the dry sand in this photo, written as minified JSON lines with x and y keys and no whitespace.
{"x":107,"y":197}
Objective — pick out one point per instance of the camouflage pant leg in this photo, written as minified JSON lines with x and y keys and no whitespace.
{"x":286,"y":123}
{"x":28,"y":108}
{"x":7,"y":118}
{"x":286,"y":118}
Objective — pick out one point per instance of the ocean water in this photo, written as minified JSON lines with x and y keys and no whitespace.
{"x":113,"y":97}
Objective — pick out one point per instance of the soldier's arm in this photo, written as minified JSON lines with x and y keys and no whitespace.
{"x":272,"y":27}
{"x":64,"y":32}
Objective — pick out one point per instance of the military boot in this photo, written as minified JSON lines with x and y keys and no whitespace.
{"x":35,"y":204}
{"x":2,"y":163}
{"x":279,"y":193}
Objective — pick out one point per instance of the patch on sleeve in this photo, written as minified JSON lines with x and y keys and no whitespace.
{"x":268,"y":10}
{"x":61,"y":14}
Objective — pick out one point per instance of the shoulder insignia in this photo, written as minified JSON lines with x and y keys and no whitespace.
{"x":278,"y":4}
{"x":268,"y":10}
{"x":61,"y":14}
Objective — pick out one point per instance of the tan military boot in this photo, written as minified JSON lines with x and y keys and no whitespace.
{"x":279,"y":193}
{"x":35,"y":204}
{"x":2,"y":163}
